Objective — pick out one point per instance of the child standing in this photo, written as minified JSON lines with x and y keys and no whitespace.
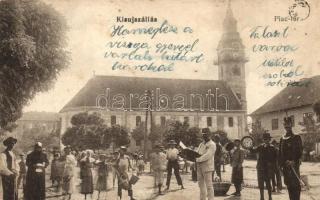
{"x":140,"y":164}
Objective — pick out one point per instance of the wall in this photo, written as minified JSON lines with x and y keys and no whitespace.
{"x":265,"y":120}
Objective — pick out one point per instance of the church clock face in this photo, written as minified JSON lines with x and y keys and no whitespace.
{"x":235,"y":55}
{"x":236,"y":45}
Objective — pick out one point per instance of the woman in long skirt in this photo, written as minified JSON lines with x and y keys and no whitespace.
{"x":68,"y":172}
{"x":86,"y":177}
{"x":102,"y":175}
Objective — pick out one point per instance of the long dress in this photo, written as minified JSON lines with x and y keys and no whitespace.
{"x":68,"y":174}
{"x":35,"y":181}
{"x":86,"y":165}
{"x":102,"y":176}
{"x":56,"y":170}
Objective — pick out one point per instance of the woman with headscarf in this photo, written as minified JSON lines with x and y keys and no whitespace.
{"x":86,"y":177}
{"x":36,"y":162}
{"x":68,"y":172}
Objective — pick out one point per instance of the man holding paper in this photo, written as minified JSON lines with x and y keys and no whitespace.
{"x":205,"y":166}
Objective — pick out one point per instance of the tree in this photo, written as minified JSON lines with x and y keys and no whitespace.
{"x":32,"y":53}
{"x":88,"y":131}
{"x":157,"y":134}
{"x":311,"y":132}
{"x":119,"y":136}
{"x":138,"y":133}
{"x":179,"y":131}
{"x":49,"y":138}
{"x":257,"y":133}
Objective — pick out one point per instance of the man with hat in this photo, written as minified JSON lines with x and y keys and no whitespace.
{"x":122,"y":166}
{"x":266,"y":164}
{"x":205,"y":165}
{"x":159,"y":166}
{"x":237,"y":158}
{"x":9,"y":170}
{"x":290,"y":152}
{"x":35,"y":183}
{"x":172,"y":157}
{"x":217,"y":156}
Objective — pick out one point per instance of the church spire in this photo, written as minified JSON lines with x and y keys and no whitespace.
{"x":229,"y":23}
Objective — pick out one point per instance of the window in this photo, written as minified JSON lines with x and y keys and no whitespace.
{"x":209,"y":121}
{"x":310,"y":114}
{"x":230,"y":121}
{"x":162,"y":121}
{"x":113,"y":120}
{"x":292,"y":119}
{"x":186,"y":119}
{"x":274,"y":124}
{"x":138,"y":120}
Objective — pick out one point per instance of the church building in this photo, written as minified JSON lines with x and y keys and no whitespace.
{"x":214,"y":104}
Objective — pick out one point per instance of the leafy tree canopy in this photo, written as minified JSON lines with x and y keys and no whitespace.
{"x":32,"y":53}
{"x":89,"y":131}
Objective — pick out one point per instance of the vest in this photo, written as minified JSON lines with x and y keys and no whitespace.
{"x":9,"y":160}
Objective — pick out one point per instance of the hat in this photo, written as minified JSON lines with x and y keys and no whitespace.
{"x":287,"y":121}
{"x":172,"y":142}
{"x":123,"y":147}
{"x":9,"y":140}
{"x":266,"y":135}
{"x":237,"y":139}
{"x":38,"y":144}
{"x":205,"y":131}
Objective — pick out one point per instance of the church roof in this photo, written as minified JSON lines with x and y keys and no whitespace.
{"x":98,"y":85}
{"x":293,"y":97}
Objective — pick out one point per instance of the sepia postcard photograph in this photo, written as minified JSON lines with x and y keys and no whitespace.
{"x":159,"y":100}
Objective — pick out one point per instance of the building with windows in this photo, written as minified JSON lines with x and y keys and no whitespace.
{"x":216,"y":104}
{"x":293,"y":101}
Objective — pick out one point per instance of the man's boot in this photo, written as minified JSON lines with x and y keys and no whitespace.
{"x":159,"y":192}
{"x":261,"y":194}
{"x":130,"y":194}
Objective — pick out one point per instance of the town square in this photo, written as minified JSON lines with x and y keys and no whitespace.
{"x":159,"y":100}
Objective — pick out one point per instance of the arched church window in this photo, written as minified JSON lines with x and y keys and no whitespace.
{"x":236,"y":70}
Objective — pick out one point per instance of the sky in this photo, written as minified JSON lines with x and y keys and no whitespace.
{"x":90,"y":24}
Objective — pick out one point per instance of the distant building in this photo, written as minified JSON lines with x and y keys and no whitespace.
{"x":216,"y":104}
{"x":292,"y":101}
{"x":47,"y":121}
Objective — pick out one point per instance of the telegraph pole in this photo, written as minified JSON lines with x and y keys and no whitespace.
{"x":148,"y":110}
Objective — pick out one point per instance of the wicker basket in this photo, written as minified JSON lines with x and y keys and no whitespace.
{"x":221,"y":188}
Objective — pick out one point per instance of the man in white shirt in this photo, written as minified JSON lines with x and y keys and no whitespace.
{"x":9,"y":170}
{"x":205,"y":166}
{"x":172,"y":156}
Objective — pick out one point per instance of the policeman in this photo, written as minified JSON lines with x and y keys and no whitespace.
{"x":289,"y":159}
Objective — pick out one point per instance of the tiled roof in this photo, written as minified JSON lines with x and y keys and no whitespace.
{"x":86,"y":97}
{"x":293,"y":97}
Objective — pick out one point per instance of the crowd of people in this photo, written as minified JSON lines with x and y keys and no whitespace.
{"x":29,"y":173}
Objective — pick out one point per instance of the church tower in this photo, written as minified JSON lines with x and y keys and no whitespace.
{"x":231,"y":58}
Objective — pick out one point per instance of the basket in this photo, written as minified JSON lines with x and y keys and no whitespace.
{"x":134,"y":179}
{"x":221,"y":188}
